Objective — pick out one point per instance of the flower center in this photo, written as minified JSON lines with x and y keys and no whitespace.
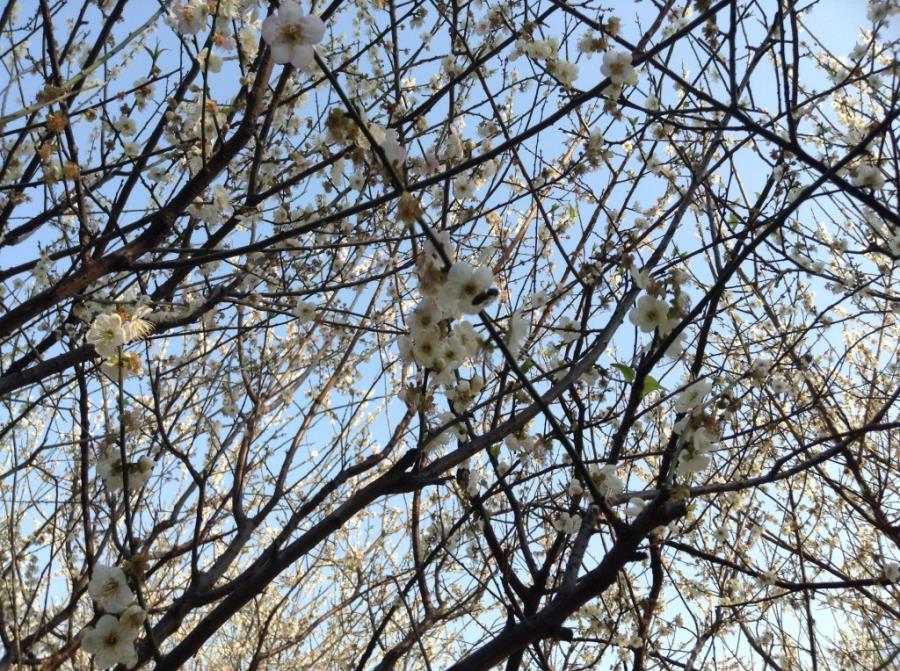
{"x":293,"y":33}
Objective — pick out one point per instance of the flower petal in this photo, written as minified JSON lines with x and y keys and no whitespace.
{"x":281,"y":52}
{"x":312,"y":29}
{"x":290,"y":12}
{"x":270,"y":28}
{"x":302,"y":55}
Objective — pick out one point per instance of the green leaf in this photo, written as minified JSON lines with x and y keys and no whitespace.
{"x":627,"y":372}
{"x":651,"y":384}
{"x":527,"y":365}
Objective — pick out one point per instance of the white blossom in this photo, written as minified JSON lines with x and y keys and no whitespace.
{"x":291,"y":35}
{"x":109,"y":588}
{"x":107,"y":334}
{"x":110,"y":643}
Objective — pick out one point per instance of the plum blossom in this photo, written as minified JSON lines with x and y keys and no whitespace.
{"x":291,"y":34}
{"x":128,"y":362}
{"x":892,"y":572}
{"x":111,"y":470}
{"x":190,"y":17}
{"x":617,"y":66}
{"x":517,"y":333}
{"x":692,"y":461}
{"x":132,"y":619}
{"x":109,"y":588}
{"x":649,"y":314}
{"x":567,"y":524}
{"x":304,"y":311}
{"x":467,"y":288}
{"x":107,"y":334}
{"x":692,"y":396}
{"x":607,"y":481}
{"x":894,"y":244}
{"x":109,"y":642}
{"x":869,"y":176}
{"x":389,"y":141}
{"x":566,"y":72}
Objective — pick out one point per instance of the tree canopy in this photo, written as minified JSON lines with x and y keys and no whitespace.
{"x":418,"y":335}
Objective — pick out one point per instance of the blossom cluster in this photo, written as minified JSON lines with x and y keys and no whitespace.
{"x":435,"y":342}
{"x":109,"y":332}
{"x":111,"y":639}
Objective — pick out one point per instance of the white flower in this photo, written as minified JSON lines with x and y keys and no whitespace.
{"x":674,"y":350}
{"x":767,"y":578}
{"x":468,"y":337}
{"x":357,"y":182}
{"x":779,"y":384}
{"x":305,"y":312}
{"x":209,"y":61}
{"x":641,"y":277}
{"x":517,"y":333}
{"x":870,"y":176}
{"x":136,"y":327}
{"x":107,"y":335}
{"x":132,"y":619}
{"x":692,"y":461}
{"x":139,"y":473}
{"x":617,"y":66}
{"x":125,"y":125}
{"x":132,"y":149}
{"x":567,"y":524}
{"x":109,"y":589}
{"x":110,"y":469}
{"x":566,"y":72}
{"x":650,"y":313}
{"x":426,"y":348}
{"x":129,"y":362}
{"x":607,"y":482}
{"x":466,"y":289}
{"x":760,"y":368}
{"x":692,"y":396}
{"x":190,"y":17}
{"x":109,"y":643}
{"x":587,"y":43}
{"x":425,"y":316}
{"x":291,"y":35}
{"x":878,"y":11}
{"x":595,"y":146}
{"x":393,"y":150}
{"x":463,"y":187}
{"x":703,"y":440}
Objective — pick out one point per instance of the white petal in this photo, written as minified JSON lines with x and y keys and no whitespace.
{"x":313,"y":29}
{"x":270,"y":28}
{"x":290,"y":12}
{"x":281,"y":52}
{"x":302,"y":55}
